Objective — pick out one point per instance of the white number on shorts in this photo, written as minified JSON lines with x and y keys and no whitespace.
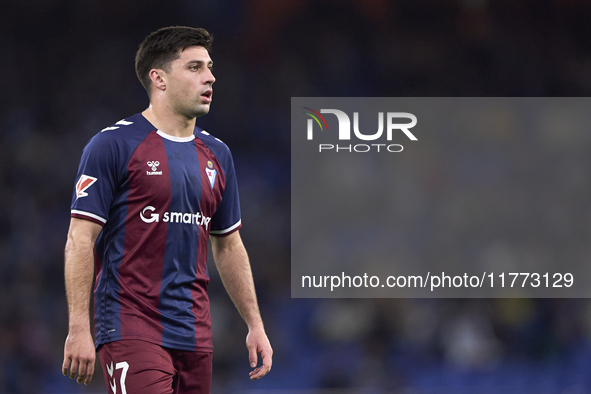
{"x":124,"y":366}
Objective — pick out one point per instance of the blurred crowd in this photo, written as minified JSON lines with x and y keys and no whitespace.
{"x":68,"y":68}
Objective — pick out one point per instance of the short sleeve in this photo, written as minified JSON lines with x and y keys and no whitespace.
{"x":226,"y":219}
{"x":96,"y":181}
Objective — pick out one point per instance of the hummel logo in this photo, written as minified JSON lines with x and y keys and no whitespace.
{"x":112,"y":382}
{"x":154,"y":166}
{"x":110,"y":370}
{"x":122,"y":122}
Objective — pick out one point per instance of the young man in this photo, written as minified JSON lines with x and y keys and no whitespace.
{"x":150,"y":191}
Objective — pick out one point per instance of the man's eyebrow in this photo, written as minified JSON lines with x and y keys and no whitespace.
{"x":200,"y":62}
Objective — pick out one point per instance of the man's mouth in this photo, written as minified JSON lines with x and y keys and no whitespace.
{"x":206,"y":96}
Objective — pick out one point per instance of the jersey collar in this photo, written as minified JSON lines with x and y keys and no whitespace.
{"x":175,"y":139}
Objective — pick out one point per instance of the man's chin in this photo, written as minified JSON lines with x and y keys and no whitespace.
{"x":201,"y":110}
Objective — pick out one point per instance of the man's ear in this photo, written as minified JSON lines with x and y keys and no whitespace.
{"x":158,"y":78}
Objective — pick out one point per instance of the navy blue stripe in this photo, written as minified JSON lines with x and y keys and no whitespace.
{"x":110,"y":247}
{"x":179,"y":270}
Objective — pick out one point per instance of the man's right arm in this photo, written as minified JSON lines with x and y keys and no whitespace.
{"x":79,"y":352}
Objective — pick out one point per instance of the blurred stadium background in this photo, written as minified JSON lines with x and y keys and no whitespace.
{"x":68,"y":72}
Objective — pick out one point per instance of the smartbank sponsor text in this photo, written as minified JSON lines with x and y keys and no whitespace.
{"x":148,"y":216}
{"x":344,"y":132}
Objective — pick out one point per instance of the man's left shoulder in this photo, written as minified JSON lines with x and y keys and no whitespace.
{"x":217,"y":146}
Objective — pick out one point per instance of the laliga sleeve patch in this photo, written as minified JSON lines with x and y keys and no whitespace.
{"x":84,"y":183}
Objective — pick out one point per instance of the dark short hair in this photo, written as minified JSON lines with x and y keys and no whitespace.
{"x":163,"y":46}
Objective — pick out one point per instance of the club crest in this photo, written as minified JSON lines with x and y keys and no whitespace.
{"x":211,"y":173}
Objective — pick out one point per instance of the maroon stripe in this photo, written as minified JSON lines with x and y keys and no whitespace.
{"x":210,"y":199}
{"x":140,"y":272}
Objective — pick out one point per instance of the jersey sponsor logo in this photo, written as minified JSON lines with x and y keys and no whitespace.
{"x":149,"y":216}
{"x":84,"y":183}
{"x":154,"y":166}
{"x":153,"y":216}
{"x":211,"y":173}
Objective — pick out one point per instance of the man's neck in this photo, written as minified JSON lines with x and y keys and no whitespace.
{"x":172,"y":124}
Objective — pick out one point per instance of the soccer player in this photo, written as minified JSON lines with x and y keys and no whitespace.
{"x":150,"y":190}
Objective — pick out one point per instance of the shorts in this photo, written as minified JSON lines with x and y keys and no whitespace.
{"x":135,"y":366}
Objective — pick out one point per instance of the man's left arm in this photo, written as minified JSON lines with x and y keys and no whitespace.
{"x":233,"y":265}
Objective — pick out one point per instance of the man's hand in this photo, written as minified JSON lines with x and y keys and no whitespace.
{"x":79,"y":356}
{"x":234,"y":268}
{"x":257,"y":342}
